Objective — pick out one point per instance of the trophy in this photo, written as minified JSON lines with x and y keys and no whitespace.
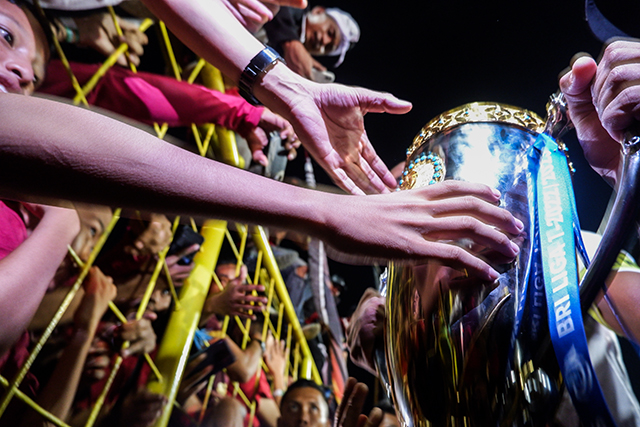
{"x":462,"y":352}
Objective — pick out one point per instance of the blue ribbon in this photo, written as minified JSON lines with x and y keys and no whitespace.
{"x":556,"y":231}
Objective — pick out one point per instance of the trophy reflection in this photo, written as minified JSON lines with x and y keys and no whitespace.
{"x":452,"y":356}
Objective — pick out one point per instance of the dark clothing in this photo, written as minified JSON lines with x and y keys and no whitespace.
{"x":285,"y":26}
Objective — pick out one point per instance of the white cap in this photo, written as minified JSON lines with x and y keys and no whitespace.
{"x":349,"y":31}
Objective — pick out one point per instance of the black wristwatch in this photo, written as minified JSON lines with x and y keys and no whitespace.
{"x":260,"y":65}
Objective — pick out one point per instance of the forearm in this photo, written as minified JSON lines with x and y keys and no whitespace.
{"x":210,"y":30}
{"x":26,"y":272}
{"x":57,"y":396}
{"x":247,"y":361}
{"x":75,"y":154}
{"x":49,"y":306}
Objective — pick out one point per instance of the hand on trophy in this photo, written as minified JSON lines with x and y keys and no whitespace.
{"x":430,"y":220}
{"x":604,"y":101}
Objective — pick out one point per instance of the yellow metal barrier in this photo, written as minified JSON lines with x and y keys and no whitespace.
{"x":176,"y":343}
{"x":174,"y":350}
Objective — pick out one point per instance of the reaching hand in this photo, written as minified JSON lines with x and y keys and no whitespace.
{"x":154,"y":238}
{"x":98,"y":32}
{"x":276,"y":356}
{"x":252,"y":14}
{"x":366,"y":329}
{"x":329,"y":120}
{"x":140,"y":334}
{"x":99,"y":290}
{"x":604,"y":102}
{"x":426,"y":223}
{"x":177,"y":271}
{"x":349,"y":412}
{"x":235,"y":299}
{"x":258,"y":138}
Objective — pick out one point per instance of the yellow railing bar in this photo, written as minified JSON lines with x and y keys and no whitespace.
{"x":115,"y":310}
{"x":26,"y":399}
{"x":174,"y":350}
{"x":262,"y":243}
{"x":97,"y":407}
{"x":108,"y":63}
{"x":116,"y":24}
{"x":172,"y":57}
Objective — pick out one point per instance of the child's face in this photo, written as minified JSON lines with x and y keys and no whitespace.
{"x":19,"y":53}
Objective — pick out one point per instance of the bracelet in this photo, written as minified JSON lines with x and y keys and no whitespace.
{"x":259,"y":66}
{"x":277,"y":392}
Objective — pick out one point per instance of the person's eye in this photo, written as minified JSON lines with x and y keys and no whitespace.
{"x":93,"y":231}
{"x":7,"y":36}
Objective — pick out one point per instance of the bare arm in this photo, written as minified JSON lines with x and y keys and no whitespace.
{"x":27,"y":271}
{"x":78,"y":155}
{"x":57,"y":396}
{"x":247,"y":360}
{"x":327,"y":118}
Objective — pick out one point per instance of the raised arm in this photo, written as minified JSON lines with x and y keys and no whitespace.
{"x":327,"y":118}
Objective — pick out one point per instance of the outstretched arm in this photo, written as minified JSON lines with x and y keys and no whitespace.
{"x":76,"y":154}
{"x":27,"y":271}
{"x":327,"y":118}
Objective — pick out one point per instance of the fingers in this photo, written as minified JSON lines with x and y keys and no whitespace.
{"x":473,"y":207}
{"x":377,"y":165}
{"x":459,"y":258}
{"x":380,"y":102}
{"x":299,"y":4}
{"x":375,"y":418}
{"x":616,"y":88}
{"x":350,"y":408}
{"x":317,"y":65}
{"x":140,"y":335}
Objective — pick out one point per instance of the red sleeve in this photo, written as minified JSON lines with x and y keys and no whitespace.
{"x":151,"y":98}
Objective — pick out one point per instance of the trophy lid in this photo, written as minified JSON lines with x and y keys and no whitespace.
{"x":477,"y":112}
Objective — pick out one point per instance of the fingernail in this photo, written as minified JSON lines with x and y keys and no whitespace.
{"x":519,"y":224}
{"x":493,"y":275}
{"x":496,"y":192}
{"x":515,"y":248}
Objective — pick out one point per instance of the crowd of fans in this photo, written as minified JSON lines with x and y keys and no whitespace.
{"x":74,"y":365}
{"x":237,"y":376}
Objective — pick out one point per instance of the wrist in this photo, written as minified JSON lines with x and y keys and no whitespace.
{"x":259,"y":66}
{"x":261,"y":343}
{"x":280,"y":88}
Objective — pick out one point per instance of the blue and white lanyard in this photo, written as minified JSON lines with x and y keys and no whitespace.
{"x":552,"y":273}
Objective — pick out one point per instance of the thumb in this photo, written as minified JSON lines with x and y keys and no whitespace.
{"x":382,"y":102}
{"x":577,"y":82}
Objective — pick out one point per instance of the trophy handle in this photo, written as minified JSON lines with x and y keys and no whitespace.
{"x":623,"y":217}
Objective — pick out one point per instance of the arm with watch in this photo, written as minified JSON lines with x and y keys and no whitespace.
{"x":329,"y":119}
